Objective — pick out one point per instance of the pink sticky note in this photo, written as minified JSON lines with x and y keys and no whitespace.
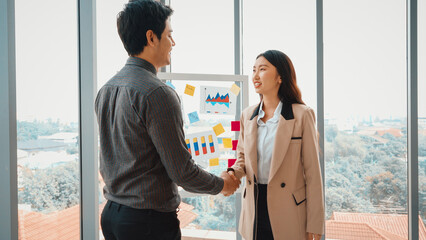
{"x":235,"y":126}
{"x":234,"y":144}
{"x":231,"y":162}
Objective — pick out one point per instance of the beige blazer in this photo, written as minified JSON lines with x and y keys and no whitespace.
{"x":295,"y":194}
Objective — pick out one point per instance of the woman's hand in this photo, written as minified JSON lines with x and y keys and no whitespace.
{"x":313,"y":236}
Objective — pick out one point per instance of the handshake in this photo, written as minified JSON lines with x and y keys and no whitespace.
{"x":231,"y":183}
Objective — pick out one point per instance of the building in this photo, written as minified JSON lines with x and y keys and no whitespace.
{"x":370,"y":226}
{"x":65,"y":224}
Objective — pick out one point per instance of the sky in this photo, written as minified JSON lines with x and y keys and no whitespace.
{"x":364,"y":51}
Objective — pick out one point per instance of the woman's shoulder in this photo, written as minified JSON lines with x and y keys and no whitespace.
{"x":301,"y":107}
{"x":299,"y":110}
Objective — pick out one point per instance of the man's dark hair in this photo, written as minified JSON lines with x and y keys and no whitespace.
{"x":136,"y":19}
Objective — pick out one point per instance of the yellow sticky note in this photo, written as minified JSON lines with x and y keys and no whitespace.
{"x":218,"y":129}
{"x":235,"y":89}
{"x":214,"y":162}
{"x":189,"y":90}
{"x":227,"y":142}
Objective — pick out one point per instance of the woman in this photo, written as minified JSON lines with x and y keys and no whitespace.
{"x":278,"y":154}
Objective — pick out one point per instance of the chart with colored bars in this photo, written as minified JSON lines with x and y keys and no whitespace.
{"x":202,"y":146}
{"x":217,"y":100}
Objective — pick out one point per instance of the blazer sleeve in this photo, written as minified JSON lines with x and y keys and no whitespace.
{"x":314,"y":190}
{"x":240,"y":165}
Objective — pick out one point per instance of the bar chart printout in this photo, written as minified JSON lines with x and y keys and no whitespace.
{"x":197,"y":146}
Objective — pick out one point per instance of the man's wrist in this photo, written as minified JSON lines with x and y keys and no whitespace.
{"x":222,"y":185}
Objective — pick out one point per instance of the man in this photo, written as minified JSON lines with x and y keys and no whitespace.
{"x":143,"y":155}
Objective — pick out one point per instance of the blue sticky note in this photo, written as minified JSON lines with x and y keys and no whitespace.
{"x":171,"y":85}
{"x":193,"y":117}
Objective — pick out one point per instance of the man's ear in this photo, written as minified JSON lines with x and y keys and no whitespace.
{"x":150,"y":38}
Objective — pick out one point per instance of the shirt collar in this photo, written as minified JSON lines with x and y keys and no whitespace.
{"x":276,"y":116}
{"x":141,"y":63}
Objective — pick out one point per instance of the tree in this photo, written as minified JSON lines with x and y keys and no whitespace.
{"x":32,"y":130}
{"x":422,"y":145}
{"x":214,"y":212}
{"x":330,"y":132}
{"x":51,"y":189}
{"x":349,"y":145}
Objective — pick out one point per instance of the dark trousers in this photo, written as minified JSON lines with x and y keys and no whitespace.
{"x":120,"y":222}
{"x":264,"y":230}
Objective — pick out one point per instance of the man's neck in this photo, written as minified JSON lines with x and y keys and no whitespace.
{"x":147,"y":57}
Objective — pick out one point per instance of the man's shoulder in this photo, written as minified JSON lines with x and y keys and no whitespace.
{"x":164,"y":94}
{"x":135,"y":78}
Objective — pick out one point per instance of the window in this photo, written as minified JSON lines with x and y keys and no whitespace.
{"x":288,"y":26}
{"x":210,"y":216}
{"x":204,"y":36}
{"x":47,"y":119}
{"x":111,"y":57}
{"x":365,"y":118}
{"x":111,"y":53}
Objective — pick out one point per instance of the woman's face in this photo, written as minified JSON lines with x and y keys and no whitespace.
{"x":266,"y":79}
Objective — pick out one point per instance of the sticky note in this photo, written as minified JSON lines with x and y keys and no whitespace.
{"x":170,"y":85}
{"x":235,"y":89}
{"x":218,"y":129}
{"x":235,"y":126}
{"x":193,"y":117}
{"x":189,"y":90}
{"x":234,"y":144}
{"x":214,"y":162}
{"x":231,"y":162}
{"x":227,"y":143}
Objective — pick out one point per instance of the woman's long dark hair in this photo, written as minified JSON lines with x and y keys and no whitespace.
{"x":288,"y":92}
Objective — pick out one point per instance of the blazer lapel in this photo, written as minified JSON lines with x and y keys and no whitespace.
{"x":281,"y":144}
{"x":251,"y":143}
{"x":251,"y":140}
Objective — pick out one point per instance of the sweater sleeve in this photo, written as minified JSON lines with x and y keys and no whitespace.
{"x":164,"y":123}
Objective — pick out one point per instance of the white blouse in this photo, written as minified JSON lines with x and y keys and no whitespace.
{"x":265,"y":142}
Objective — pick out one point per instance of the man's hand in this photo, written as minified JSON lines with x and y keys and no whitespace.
{"x":313,"y":236}
{"x":231,"y":183}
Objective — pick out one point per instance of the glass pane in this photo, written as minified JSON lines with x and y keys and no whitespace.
{"x":212,"y":216}
{"x":365,"y":119}
{"x":204,"y":39}
{"x":198,"y":212}
{"x":422,"y":115}
{"x":111,"y":57}
{"x":265,"y":26}
{"x":47,"y":120}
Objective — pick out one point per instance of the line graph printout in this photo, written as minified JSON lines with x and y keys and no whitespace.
{"x":217,"y":100}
